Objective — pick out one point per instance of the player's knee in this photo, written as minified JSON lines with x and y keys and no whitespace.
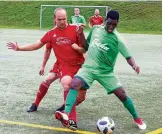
{"x":76,"y":83}
{"x":121,"y":94}
{"x":66,"y":87}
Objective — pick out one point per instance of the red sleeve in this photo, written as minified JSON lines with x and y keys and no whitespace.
{"x":48,"y":46}
{"x":46,"y":38}
{"x":102,"y":19}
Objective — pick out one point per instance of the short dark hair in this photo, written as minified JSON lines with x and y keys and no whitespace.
{"x":113,"y":14}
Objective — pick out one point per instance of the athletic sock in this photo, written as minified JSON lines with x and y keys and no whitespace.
{"x":72,"y":114}
{"x":130,"y":107}
{"x":41,"y":93}
{"x":70,"y":100}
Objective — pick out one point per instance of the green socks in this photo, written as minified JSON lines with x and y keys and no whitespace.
{"x":70,"y":100}
{"x":130,"y":107}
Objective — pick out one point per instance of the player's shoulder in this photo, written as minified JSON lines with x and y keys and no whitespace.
{"x":53,"y":29}
{"x":81,"y":16}
{"x":118,"y":35}
{"x":100,"y":16}
{"x":72,"y":25}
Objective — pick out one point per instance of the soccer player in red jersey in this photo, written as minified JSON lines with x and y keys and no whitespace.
{"x":67,"y":42}
{"x":96,"y":19}
{"x":52,"y":76}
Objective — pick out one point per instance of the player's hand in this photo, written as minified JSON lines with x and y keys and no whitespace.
{"x":13,"y":46}
{"x":136,"y":68}
{"x":81,"y":50}
{"x":75,"y":46}
{"x":41,"y":72}
{"x":79,"y":29}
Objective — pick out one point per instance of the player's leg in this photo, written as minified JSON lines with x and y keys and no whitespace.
{"x":43,"y":88}
{"x":65,"y":81}
{"x":82,"y":79}
{"x":129,"y":105}
{"x":112,"y":84}
{"x":81,"y":96}
{"x":67,"y":72}
{"x":70,"y":105}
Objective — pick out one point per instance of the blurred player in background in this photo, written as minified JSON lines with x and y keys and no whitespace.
{"x":96,"y":19}
{"x":68,"y":43}
{"x":104,"y":45}
{"x":77,"y":18}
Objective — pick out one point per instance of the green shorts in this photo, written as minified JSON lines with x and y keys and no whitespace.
{"x":108,"y":80}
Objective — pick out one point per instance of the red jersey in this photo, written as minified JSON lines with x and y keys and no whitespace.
{"x":96,"y":20}
{"x":61,"y":41}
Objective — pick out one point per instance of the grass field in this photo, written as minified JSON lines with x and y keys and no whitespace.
{"x":19,"y":82}
{"x":136,"y":16}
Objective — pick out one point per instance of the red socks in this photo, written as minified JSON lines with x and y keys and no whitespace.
{"x":41,"y":93}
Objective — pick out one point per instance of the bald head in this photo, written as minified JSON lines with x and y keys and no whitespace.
{"x":60,"y":17}
{"x":59,"y":11}
{"x":97,"y":12}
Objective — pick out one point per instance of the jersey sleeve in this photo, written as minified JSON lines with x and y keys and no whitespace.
{"x":83,"y":20}
{"x":102,"y":20}
{"x":46,"y":38}
{"x":89,"y":37}
{"x":123,"y":49}
{"x":48,"y":46}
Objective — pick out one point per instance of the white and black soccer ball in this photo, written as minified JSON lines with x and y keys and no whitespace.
{"x":105,"y":125}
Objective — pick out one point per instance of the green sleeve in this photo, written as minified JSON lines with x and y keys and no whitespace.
{"x":123,"y":49}
{"x":89,"y":37}
{"x":83,"y":20}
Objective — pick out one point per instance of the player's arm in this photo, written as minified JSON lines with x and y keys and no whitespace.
{"x":125,"y":52}
{"x":132,"y":63}
{"x":102,"y":21}
{"x":45,"y":59}
{"x":90,"y":22}
{"x":29,"y":47}
{"x":78,"y":48}
{"x":90,"y":25}
{"x":81,"y":37}
{"x":83,"y":24}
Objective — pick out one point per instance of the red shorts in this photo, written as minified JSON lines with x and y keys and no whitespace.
{"x":64,"y":69}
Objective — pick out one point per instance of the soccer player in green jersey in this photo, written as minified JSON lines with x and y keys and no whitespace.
{"x":104,"y":45}
{"x":77,"y":18}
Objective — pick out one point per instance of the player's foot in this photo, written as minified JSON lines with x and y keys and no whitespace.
{"x":73,"y":125}
{"x":61,"y":108}
{"x":140,"y":124}
{"x":63,"y":118}
{"x":32,"y":108}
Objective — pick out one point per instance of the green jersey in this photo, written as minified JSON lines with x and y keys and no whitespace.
{"x":77,"y":20}
{"x":103,"y":49}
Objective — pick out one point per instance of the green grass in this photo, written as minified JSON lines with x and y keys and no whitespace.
{"x":136,"y":17}
{"x":19,"y":82}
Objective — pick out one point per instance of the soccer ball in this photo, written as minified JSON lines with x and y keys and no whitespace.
{"x":105,"y":125}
